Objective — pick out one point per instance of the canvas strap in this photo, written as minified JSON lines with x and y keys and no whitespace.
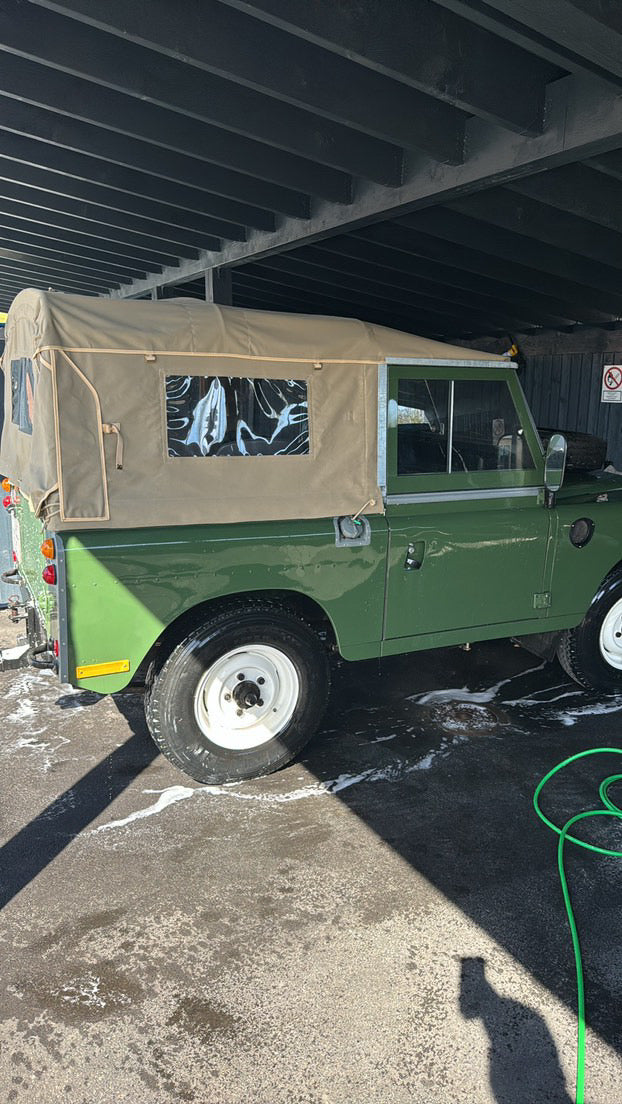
{"x":114,"y":427}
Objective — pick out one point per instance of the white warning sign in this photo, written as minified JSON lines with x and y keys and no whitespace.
{"x":612,"y":383}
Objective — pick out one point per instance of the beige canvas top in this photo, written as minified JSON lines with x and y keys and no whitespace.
{"x":124,"y":417}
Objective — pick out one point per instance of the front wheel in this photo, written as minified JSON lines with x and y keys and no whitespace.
{"x":592,"y":653}
{"x":240,"y":696}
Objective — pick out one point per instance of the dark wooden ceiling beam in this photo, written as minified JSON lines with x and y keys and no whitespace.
{"x":354,"y":257}
{"x":398,"y":304}
{"x":580,"y":35}
{"x":429,"y":49}
{"x":56,"y":263}
{"x":281,"y":297}
{"x":531,"y":262}
{"x":101,"y":223}
{"x":120,"y":242}
{"x":253,"y":299}
{"x":61,"y":243}
{"x":411,"y":291}
{"x":578,"y":190}
{"x":25,"y":272}
{"x":170,"y":132}
{"x":104,"y":145}
{"x":230,"y":45}
{"x":154,"y":78}
{"x":519,"y":214}
{"x":582,"y":121}
{"x":143,"y":212}
{"x":86,"y":169}
{"x":15,"y":285}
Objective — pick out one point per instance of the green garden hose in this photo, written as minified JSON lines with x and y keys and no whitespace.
{"x":611,"y":810}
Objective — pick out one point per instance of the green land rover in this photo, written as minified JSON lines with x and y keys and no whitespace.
{"x":224,"y":497}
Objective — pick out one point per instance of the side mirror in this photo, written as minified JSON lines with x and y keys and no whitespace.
{"x":554,"y":467}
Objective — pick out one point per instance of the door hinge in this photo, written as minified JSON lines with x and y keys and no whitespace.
{"x":542,"y":601}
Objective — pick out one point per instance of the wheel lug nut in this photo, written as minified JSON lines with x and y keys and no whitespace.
{"x":241,"y":676}
{"x":261,"y":680}
{"x":260,"y":701}
{"x":227,"y":697}
{"x":239,"y":712}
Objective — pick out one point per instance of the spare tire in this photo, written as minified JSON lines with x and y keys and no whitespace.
{"x":585,"y":452}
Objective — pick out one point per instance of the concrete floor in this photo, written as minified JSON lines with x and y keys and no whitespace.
{"x":380,"y":923}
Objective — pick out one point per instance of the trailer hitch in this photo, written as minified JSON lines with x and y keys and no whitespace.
{"x":14,"y":605}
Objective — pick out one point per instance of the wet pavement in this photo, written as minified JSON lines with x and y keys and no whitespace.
{"x":379,"y":923}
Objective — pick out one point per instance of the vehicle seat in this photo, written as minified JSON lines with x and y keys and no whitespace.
{"x":420,"y":450}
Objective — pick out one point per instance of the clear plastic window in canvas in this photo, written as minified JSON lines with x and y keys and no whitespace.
{"x":236,"y":416}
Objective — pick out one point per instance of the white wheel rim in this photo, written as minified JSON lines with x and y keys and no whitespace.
{"x":243,"y":713}
{"x":611,"y":636}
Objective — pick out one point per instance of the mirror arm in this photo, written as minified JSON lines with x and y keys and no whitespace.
{"x":550,"y":498}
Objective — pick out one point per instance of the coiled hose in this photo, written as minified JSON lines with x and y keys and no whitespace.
{"x":610,"y":810}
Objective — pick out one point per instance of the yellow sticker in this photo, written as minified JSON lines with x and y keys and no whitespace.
{"x":92,"y":669}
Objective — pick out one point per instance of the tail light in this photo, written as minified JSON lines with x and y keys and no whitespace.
{"x":48,"y":548}
{"x":56,"y":648}
{"x":6,"y":501}
{"x":49,"y":574}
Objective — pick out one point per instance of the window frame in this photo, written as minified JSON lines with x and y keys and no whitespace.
{"x":456,"y":481}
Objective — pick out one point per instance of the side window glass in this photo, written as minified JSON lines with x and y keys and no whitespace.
{"x":22,"y":393}
{"x":236,"y":416}
{"x":487,"y":435}
{"x":422,"y":426}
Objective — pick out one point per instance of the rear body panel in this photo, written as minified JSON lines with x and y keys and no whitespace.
{"x":125,"y":587}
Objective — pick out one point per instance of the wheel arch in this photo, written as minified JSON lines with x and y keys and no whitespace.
{"x":308,"y":609}
{"x":617,"y":568}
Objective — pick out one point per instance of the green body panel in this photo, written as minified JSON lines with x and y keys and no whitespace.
{"x":574,"y":573}
{"x":481,"y":561}
{"x":125,"y":587}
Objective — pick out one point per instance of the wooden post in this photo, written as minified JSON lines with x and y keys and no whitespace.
{"x":218,"y":286}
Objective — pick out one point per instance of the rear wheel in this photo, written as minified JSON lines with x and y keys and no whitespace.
{"x":240,"y":695}
{"x":592,"y":653}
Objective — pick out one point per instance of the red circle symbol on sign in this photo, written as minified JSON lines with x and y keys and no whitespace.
{"x":612,"y":378}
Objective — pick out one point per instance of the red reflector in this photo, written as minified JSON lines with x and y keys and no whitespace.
{"x":49,"y":574}
{"x":6,"y":501}
{"x":15,"y":557}
{"x":56,"y":647}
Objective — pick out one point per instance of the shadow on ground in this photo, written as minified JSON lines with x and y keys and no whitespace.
{"x":516,"y":1035}
{"x":463,"y":764}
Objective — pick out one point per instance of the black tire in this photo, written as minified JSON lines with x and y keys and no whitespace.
{"x":173,"y":682}
{"x":580,"y":652}
{"x":585,"y":452}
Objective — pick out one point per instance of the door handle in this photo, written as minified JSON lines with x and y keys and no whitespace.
{"x":414,"y":556}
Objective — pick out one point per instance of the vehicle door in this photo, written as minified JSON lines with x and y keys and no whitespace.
{"x":467,"y":526}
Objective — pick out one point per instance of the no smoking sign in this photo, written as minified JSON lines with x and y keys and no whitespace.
{"x":612,"y":383}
